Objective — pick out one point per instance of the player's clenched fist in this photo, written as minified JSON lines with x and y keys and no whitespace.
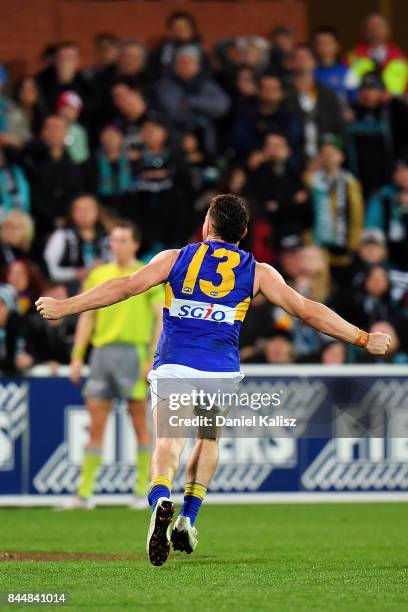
{"x":50,"y":308}
{"x":378,"y":343}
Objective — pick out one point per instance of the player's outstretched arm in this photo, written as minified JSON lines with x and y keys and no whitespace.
{"x":111,"y":291}
{"x":320,"y":317}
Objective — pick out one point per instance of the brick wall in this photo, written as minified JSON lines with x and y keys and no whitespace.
{"x":28,"y":25}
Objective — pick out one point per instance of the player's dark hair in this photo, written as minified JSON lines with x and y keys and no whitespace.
{"x":229,"y":217}
{"x":129,"y":225}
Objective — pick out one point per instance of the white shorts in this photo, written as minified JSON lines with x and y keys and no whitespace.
{"x":172,"y":378}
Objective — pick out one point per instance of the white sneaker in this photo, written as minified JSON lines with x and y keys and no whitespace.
{"x":77,"y":503}
{"x":158,"y":536}
{"x":138,"y":503}
{"x":184,"y":536}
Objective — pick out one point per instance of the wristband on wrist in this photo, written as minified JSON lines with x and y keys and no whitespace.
{"x":78,"y":352}
{"x":361,"y":338}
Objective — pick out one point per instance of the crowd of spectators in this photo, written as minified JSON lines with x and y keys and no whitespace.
{"x":313,"y":136}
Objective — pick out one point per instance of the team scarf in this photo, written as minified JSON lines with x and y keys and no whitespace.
{"x":3,"y":115}
{"x":109,"y":182}
{"x":14,"y":190}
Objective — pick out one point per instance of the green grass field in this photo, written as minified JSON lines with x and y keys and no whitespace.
{"x":347,"y":557}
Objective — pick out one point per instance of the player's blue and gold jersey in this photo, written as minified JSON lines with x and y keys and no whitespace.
{"x":207,"y":295}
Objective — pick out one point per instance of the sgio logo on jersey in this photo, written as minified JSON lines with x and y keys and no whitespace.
{"x":204,"y":311}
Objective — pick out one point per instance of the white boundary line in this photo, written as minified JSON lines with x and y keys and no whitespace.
{"x":221,"y":498}
{"x":303,"y":369}
{"x":277,"y":370}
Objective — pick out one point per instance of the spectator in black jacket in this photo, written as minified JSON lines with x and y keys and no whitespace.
{"x":264,"y":114}
{"x":50,"y":342}
{"x":102,"y":75}
{"x":162,"y":207}
{"x":318,"y":105}
{"x":13,"y":356}
{"x":132,"y":65}
{"x":371,"y":302}
{"x":277,"y":192}
{"x":370,"y":137}
{"x":65,"y":75}
{"x":107,"y":49}
{"x":131,"y":109}
{"x":54,"y":177}
{"x":282,"y":46}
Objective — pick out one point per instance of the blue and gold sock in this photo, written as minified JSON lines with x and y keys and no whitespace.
{"x":194,"y":494}
{"x":160,"y":487}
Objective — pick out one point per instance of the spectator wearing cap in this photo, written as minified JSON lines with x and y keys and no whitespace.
{"x":337,"y":205}
{"x":69,"y":106}
{"x":372,"y":249}
{"x":182,"y":30}
{"x":387,"y":211}
{"x":377,"y":53}
{"x":191,"y":100}
{"x":131,"y":111}
{"x":277,"y":192}
{"x":55,"y":179}
{"x":330,"y":70}
{"x":318,"y":105}
{"x":264,"y":114}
